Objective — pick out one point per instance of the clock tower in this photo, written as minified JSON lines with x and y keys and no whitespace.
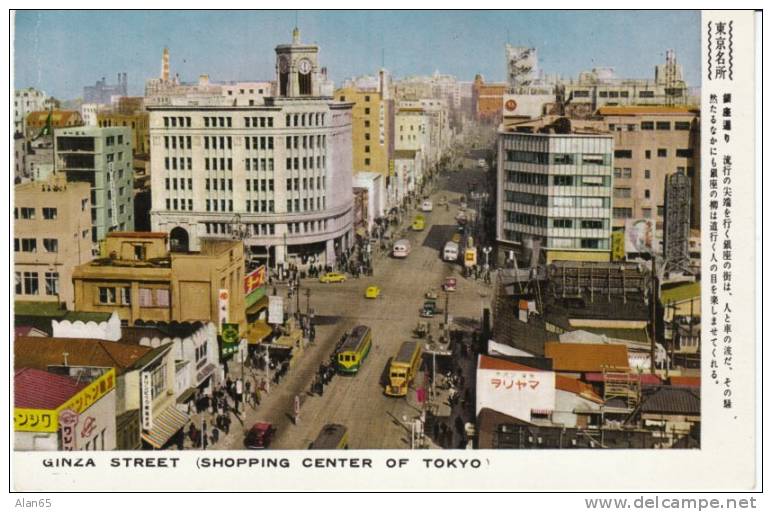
{"x":297,"y":68}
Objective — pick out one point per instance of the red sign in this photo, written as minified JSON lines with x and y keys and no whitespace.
{"x":254,"y":280}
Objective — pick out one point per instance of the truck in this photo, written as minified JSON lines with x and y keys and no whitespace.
{"x":450,"y":251}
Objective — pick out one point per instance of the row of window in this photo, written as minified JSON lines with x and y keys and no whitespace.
{"x":661,"y":153}
{"x":258,"y":122}
{"x":582,"y":223}
{"x":307,"y":183}
{"x":307,"y":227}
{"x":306,"y":163}
{"x":558,"y":201}
{"x":111,"y":140}
{"x":218,"y":122}
{"x":581,"y":181}
{"x":535,"y":157}
{"x":182,"y":122}
{"x":121,"y":296}
{"x":305,"y":141}
{"x":182,"y":163}
{"x":256,"y":142}
{"x":181,"y":141}
{"x":527,"y":178}
{"x":179,"y":204}
{"x":211,"y":143}
{"x":626,"y":193}
{"x":31,"y":245}
{"x":265,"y":164}
{"x":293,"y":205}
{"x":28,"y":283}
{"x":307,"y":119}
{"x":28,"y":213}
{"x":226,"y":164}
{"x":226,"y":205}
{"x":174,"y":184}
{"x":581,"y":93}
{"x":627,"y":213}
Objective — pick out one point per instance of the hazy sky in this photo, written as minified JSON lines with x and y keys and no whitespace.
{"x":60,"y":52}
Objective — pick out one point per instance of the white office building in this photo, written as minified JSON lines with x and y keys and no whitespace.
{"x":278,"y":175}
{"x":554,"y":190}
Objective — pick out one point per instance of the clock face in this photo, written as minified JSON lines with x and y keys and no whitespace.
{"x":304,"y":66}
{"x":283,"y":64}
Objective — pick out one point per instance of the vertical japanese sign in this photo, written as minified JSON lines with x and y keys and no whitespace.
{"x":147,"y":400}
{"x":728,"y":225}
{"x":223,"y":299}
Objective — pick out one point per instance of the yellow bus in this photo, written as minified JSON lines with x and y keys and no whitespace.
{"x":354,"y":350}
{"x":404,"y":368}
{"x":419,"y":223}
{"x":331,"y":437}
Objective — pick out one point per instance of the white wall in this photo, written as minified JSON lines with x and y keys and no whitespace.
{"x":515,"y":393}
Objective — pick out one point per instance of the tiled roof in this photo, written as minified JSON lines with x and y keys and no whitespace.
{"x":685,"y":382}
{"x":58,"y":118}
{"x":577,"y":387}
{"x":38,"y":389}
{"x":586,"y":357}
{"x":647,"y":379}
{"x":672,"y":400}
{"x":40,"y":353}
{"x":492,"y":363}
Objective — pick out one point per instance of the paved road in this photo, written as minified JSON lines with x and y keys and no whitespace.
{"x":373,"y":419}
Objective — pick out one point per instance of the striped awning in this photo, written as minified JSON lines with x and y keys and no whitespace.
{"x":165,"y":425}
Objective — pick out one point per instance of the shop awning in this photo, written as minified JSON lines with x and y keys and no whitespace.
{"x":257,"y":332}
{"x":261,"y":303}
{"x":165,"y":425}
{"x":205,"y":372}
{"x":186,"y":395}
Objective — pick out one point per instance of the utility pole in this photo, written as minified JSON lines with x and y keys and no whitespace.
{"x":654,"y":286}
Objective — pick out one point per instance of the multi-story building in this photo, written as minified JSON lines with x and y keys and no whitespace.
{"x":102,"y":93}
{"x":26,"y":101}
{"x":137,"y":122}
{"x":277,"y":175}
{"x":372,"y":131}
{"x":101,"y":157}
{"x":554,"y":190}
{"x":601,"y":87}
{"x":487,"y":100}
{"x":52,"y":235}
{"x":651,"y":143}
{"x":141,"y":279}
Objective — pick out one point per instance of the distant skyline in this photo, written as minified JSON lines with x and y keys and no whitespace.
{"x":60,"y":52}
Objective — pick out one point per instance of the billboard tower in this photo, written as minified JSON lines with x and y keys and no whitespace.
{"x":677,"y":208}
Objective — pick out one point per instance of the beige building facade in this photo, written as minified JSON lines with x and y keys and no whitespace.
{"x":651,"y":143}
{"x":141,"y":279}
{"x":52,"y":235}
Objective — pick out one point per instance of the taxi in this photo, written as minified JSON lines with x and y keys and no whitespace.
{"x":372,"y":292}
{"x":450,"y":284}
{"x":332,"y":277}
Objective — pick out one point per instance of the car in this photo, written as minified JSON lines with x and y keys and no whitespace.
{"x":259,"y":436}
{"x":426,"y":206}
{"x":332,"y":277}
{"x":372,"y":292}
{"x":450,"y":284}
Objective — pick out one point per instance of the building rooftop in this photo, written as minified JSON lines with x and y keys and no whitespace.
{"x":586,"y":357}
{"x":680,"y":292}
{"x":137,"y":234}
{"x":555,"y":125}
{"x":653,"y":110}
{"x":159,"y":330}
{"x":494,"y":363}
{"x":39,"y":389}
{"x":685,"y":381}
{"x":577,"y":387}
{"x":672,"y":400}
{"x":58,"y":117}
{"x":40,"y":353}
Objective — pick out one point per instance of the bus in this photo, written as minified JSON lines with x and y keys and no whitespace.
{"x":450,"y":251}
{"x":331,"y":437}
{"x":354,"y":350}
{"x":404,"y":368}
{"x":401,"y":249}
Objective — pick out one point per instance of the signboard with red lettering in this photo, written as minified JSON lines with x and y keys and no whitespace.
{"x":254,"y":286}
{"x":514,"y":392}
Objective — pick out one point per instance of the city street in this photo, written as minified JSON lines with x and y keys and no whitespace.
{"x":373,"y":419}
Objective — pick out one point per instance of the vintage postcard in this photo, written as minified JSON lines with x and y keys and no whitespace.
{"x":384,"y":250}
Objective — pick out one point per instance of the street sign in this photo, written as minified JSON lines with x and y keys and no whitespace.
{"x":147,"y":400}
{"x":223,"y":298}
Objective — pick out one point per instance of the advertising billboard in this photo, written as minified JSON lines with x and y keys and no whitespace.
{"x":640,"y":236}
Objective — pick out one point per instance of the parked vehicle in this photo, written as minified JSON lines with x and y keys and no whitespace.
{"x":404,"y":367}
{"x":450,"y":251}
{"x":332,"y":277}
{"x":426,"y":206}
{"x":372,"y":292}
{"x":332,"y":437}
{"x":354,"y":350}
{"x":401,"y":249}
{"x":259,"y":436}
{"x":450,"y":284}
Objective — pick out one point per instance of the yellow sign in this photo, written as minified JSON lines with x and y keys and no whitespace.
{"x":618,"y":246}
{"x":391,"y":167}
{"x":47,"y":420}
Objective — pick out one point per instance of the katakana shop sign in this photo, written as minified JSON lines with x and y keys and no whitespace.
{"x":515,"y":393}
